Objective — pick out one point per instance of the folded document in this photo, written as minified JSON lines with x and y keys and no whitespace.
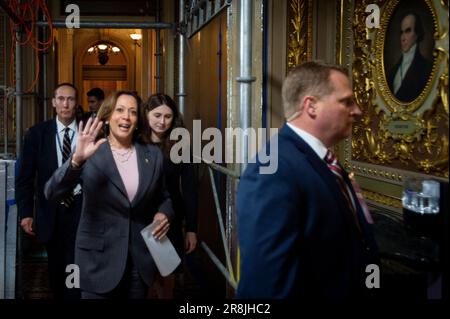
{"x":162,"y":251}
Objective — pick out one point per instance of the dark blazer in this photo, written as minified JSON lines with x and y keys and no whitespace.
{"x":88,"y":115}
{"x":36,"y":165}
{"x":415,"y":78}
{"x":296,"y":233}
{"x":109,"y":228}
{"x":181,"y":182}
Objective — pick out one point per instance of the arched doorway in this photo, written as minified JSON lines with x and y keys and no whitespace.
{"x":103,"y":65}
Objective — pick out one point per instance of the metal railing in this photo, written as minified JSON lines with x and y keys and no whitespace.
{"x":201,"y":12}
{"x":8,"y":230}
{"x":227,"y":270}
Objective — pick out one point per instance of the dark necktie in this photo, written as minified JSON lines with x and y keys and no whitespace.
{"x":334,"y":166}
{"x":67,"y":147}
{"x":66,"y":151}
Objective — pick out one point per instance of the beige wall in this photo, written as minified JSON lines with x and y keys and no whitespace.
{"x":202,"y":89}
{"x":277,"y":61}
{"x":202,"y":75}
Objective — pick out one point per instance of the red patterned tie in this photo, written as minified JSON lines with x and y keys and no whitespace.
{"x":334,"y":166}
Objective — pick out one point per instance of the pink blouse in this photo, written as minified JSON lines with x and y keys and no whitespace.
{"x":128,"y":170}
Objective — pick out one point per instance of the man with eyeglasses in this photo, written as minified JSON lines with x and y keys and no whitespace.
{"x":47,"y":146}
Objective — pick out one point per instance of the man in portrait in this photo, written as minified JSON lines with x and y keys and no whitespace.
{"x":410,"y":74}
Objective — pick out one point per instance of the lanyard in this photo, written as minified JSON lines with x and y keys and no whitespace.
{"x":59,"y":142}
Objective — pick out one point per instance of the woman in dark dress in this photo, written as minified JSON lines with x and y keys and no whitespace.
{"x":162,"y":116}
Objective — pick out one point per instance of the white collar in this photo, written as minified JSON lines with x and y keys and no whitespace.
{"x":409,"y":55}
{"x":61,"y":127}
{"x":316,"y":144}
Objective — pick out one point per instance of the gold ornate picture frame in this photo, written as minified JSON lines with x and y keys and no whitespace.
{"x":397,"y":137}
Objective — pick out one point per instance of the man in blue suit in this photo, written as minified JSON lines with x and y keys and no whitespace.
{"x":302,"y":231}
{"x":54,"y":224}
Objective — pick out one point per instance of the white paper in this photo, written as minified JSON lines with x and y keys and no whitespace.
{"x":162,"y":251}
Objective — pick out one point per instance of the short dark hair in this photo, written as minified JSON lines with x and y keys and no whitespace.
{"x":418,"y":26}
{"x":308,"y":78}
{"x":97,"y":92}
{"x":65,"y":84}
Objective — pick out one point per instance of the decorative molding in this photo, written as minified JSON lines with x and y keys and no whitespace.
{"x":420,"y":155}
{"x":382,"y":199}
{"x":412,"y":136}
{"x":344,"y":46}
{"x":105,"y":72}
{"x":299,"y":32}
{"x":376,"y":173}
{"x":344,"y":38}
{"x":378,"y":138}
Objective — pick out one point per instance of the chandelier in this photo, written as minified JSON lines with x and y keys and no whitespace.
{"x":103,"y":50}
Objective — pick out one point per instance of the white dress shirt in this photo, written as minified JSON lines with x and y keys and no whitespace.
{"x":407,"y":59}
{"x":73,"y":133}
{"x":311,"y":140}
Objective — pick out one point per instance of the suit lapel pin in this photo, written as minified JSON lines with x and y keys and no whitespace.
{"x":146,"y":160}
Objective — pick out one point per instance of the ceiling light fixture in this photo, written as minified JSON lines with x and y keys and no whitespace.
{"x":103,"y":50}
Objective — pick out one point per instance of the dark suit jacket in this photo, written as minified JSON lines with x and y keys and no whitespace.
{"x":36,"y":165}
{"x":86,"y":117}
{"x":181,"y":182}
{"x":109,"y":228}
{"x":296,"y":233}
{"x":415,"y":78}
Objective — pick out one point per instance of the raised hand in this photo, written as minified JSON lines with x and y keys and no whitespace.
{"x":86,"y":144}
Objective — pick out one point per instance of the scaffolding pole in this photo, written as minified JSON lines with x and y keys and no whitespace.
{"x":245,"y":79}
{"x":18,"y":93}
{"x":110,"y":25}
{"x":44,"y":73}
{"x":5,"y":92}
{"x":181,"y":39}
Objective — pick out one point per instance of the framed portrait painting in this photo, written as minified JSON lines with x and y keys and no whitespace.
{"x":408,"y":49}
{"x":405,"y":52}
{"x":400,"y":78}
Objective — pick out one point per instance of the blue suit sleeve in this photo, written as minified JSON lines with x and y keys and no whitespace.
{"x":268,"y":227}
